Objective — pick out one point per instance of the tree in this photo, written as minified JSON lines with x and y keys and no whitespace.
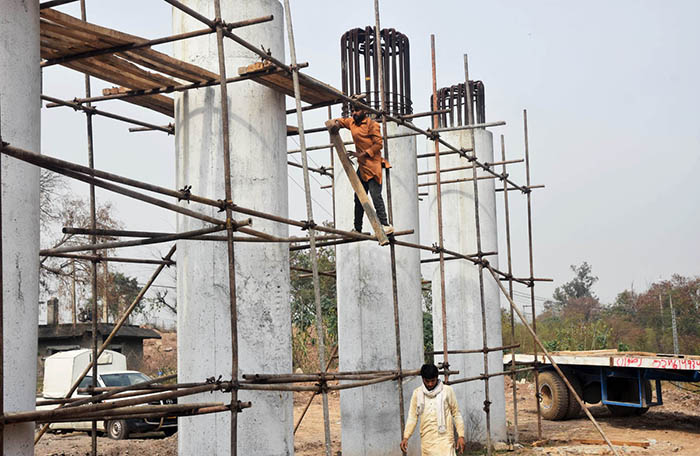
{"x":303,"y":304}
{"x":576,"y":295}
{"x":120,"y":291}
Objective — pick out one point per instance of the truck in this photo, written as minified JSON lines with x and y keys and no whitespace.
{"x":622,"y":381}
{"x":62,"y":369}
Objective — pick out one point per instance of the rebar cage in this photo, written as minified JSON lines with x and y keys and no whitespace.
{"x":454,"y":99}
{"x":359,"y":63}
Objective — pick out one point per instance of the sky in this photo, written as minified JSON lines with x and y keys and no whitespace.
{"x":610,"y":90}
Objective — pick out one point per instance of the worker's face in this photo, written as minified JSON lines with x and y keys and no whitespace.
{"x":430,"y":383}
{"x":358,"y":115}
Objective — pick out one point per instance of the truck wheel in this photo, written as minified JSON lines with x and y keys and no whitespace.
{"x":169,"y":431}
{"x":555,"y":397}
{"x":117,"y":429}
{"x":574,"y":409}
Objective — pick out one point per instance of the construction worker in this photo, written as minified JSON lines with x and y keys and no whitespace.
{"x":437,"y":407}
{"x":368,"y":144}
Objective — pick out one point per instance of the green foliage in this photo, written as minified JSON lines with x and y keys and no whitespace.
{"x":303,"y":302}
{"x":428,"y":324}
{"x":576,"y":320}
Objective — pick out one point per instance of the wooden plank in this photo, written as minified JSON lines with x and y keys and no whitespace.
{"x":355,"y":182}
{"x":614,"y":442}
{"x":104,"y":37}
{"x":282,"y":82}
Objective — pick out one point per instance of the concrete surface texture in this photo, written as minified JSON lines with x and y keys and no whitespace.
{"x":259,"y":181}
{"x":20,"y":87}
{"x":464,"y":323}
{"x":370,"y":416}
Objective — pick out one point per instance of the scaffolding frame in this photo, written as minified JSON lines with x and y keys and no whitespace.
{"x":93,"y":409}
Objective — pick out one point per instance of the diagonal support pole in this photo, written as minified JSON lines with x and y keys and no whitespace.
{"x":572,"y":391}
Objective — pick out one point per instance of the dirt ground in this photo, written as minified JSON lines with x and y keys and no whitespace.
{"x":671,"y":429}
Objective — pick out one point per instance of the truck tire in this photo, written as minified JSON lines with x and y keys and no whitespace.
{"x":627,"y":392}
{"x":574,"y":409}
{"x":554,"y":396}
{"x":117,"y":429}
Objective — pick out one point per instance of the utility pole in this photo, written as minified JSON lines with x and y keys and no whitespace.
{"x":661,"y":312}
{"x":673,"y":324}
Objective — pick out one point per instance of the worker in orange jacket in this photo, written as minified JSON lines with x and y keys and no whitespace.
{"x":368,"y":144}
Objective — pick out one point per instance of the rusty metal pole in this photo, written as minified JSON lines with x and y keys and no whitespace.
{"x":330,"y":150}
{"x":93,"y":240}
{"x":235,"y":408}
{"x":510,"y":294}
{"x":532,"y":273}
{"x":438,"y":194}
{"x":482,"y":301}
{"x":390,"y":210}
{"x":554,"y":364}
{"x":310,"y":218}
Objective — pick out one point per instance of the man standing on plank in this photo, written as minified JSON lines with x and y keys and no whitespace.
{"x":437,"y":406}
{"x":367,"y":137}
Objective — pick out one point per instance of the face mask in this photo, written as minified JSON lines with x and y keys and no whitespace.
{"x":358,"y":118}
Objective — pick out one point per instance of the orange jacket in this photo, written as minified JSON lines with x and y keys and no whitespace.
{"x":368,"y":139}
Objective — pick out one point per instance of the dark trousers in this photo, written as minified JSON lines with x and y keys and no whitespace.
{"x":374,"y":189}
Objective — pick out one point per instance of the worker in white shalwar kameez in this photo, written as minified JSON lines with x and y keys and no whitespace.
{"x":437,"y":407}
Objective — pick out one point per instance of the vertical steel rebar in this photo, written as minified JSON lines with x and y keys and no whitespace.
{"x":438,"y":197}
{"x":392,"y":247}
{"x":532,"y":272}
{"x":235,"y":409}
{"x":510,"y":293}
{"x":310,"y":218}
{"x":468,"y":93}
{"x":484,"y":335}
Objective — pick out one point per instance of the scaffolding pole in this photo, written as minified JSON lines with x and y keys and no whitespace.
{"x":510,"y":294}
{"x":438,"y":196}
{"x":310,"y":218}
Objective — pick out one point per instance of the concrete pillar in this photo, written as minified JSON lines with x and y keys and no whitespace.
{"x":464,"y":330}
{"x":370,"y":415}
{"x":259,"y":180}
{"x":20,"y":87}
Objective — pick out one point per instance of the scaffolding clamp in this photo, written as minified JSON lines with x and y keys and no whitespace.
{"x":310,"y":224}
{"x":436,"y":248}
{"x":487,"y":404}
{"x":186,"y":193}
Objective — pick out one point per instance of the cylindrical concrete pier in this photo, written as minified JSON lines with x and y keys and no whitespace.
{"x":366,"y":333}
{"x":259,"y":181}
{"x":463,"y":304}
{"x":20,"y":87}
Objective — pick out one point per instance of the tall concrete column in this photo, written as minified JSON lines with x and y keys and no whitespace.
{"x":259,"y":181}
{"x":20,"y":87}
{"x":366,"y":332}
{"x":464,"y":330}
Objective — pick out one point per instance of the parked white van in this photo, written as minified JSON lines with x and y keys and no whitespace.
{"x":63,"y":368}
